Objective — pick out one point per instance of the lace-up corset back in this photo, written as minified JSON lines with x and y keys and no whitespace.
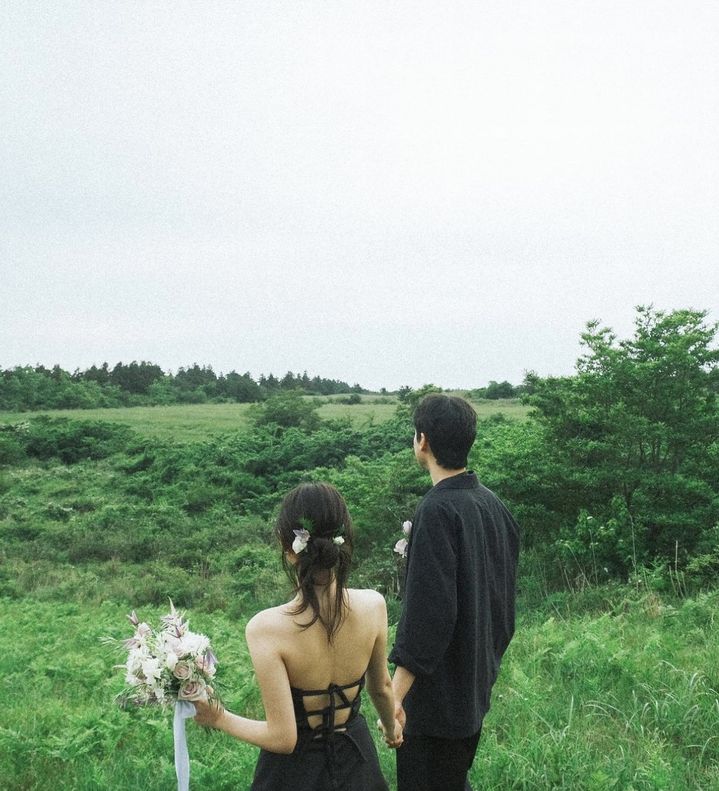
{"x":323,"y":721}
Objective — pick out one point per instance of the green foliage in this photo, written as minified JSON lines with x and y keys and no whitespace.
{"x":25,"y":388}
{"x":495,"y":390}
{"x":124,"y":501}
{"x":12,"y":448}
{"x":638,"y":425}
{"x":409,"y":397}
{"x":619,"y":700}
{"x":381,"y":493}
{"x":621,"y":695}
{"x":604,"y":687}
{"x":287,"y":409}
{"x":69,"y":441}
{"x":355,"y":398}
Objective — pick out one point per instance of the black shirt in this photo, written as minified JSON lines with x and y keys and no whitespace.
{"x":458,"y":610}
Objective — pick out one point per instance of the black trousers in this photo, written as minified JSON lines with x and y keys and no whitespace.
{"x":427,"y":763}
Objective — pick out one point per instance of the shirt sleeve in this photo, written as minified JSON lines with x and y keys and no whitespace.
{"x":429,"y":612}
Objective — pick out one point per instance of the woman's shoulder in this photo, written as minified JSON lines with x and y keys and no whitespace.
{"x":366,"y":598}
{"x":267,"y":621}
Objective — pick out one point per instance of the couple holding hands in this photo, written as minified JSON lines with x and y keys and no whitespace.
{"x":313,"y":655}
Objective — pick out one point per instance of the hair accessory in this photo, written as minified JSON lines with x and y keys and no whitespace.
{"x":303,"y":536}
{"x":300,"y":542}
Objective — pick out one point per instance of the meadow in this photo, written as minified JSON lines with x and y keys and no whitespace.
{"x":192,"y":422}
{"x":608,"y":683}
{"x":610,"y":689}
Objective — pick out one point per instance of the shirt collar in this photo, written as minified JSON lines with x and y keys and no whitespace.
{"x":464,"y":480}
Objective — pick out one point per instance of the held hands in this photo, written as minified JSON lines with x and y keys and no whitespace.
{"x":400,"y":719}
{"x":394,"y":740}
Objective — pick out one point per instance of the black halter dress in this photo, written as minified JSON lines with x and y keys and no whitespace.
{"x":330,"y":757}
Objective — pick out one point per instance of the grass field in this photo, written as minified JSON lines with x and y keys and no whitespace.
{"x":608,"y":692}
{"x":191,"y":422}
{"x":608,"y":687}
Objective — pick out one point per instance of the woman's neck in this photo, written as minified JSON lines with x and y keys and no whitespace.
{"x":324,"y":590}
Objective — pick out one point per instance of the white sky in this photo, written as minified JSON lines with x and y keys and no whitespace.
{"x":384,"y":192}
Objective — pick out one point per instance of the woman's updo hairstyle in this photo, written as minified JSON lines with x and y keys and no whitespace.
{"x":320,"y":509}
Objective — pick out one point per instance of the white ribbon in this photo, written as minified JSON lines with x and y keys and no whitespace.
{"x":183,"y":710}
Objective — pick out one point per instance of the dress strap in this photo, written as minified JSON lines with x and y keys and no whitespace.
{"x":333,"y":692}
{"x":328,"y":732}
{"x":337,"y":688}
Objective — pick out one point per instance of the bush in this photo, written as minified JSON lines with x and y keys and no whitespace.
{"x":12,"y":449}
{"x":73,"y":441}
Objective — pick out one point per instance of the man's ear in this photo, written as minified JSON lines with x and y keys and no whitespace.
{"x":422,"y":443}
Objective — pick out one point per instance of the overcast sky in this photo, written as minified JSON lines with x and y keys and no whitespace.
{"x":388,"y":193}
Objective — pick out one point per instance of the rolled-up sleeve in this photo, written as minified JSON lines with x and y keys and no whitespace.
{"x":429,"y":611}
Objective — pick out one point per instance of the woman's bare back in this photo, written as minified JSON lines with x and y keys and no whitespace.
{"x":314,"y":663}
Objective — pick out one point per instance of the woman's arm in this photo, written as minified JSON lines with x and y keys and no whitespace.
{"x":278,"y":733}
{"x":379,"y":683}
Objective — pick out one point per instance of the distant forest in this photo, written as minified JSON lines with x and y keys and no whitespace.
{"x":27,"y":388}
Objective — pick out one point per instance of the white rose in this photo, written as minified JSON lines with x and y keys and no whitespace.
{"x":151,"y":670}
{"x":194,"y":644}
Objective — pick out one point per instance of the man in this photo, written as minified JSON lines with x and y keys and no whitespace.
{"x":458,"y":610}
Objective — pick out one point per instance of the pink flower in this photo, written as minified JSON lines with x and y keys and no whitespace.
{"x":182,"y":671}
{"x":132,"y":617}
{"x":206,"y":664}
{"x":192,"y":690}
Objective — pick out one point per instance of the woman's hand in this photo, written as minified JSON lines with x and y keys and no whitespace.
{"x":208,"y":713}
{"x":393,"y":740}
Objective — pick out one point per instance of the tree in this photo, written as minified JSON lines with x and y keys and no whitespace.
{"x":635,"y":433}
{"x":135,"y":377}
{"x":240,"y":387}
{"x":496,"y":390}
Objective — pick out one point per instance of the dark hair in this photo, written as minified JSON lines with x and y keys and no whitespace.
{"x":319,"y":509}
{"x":450,"y":426}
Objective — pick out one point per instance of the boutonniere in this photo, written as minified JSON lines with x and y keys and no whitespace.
{"x":401,"y":546}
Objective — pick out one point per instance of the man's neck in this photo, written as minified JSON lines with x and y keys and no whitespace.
{"x":437,"y":473}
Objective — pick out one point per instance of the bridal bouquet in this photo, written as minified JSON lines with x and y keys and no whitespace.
{"x":167,"y":664}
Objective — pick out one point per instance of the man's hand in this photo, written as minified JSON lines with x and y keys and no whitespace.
{"x":400,"y":715}
{"x":397,"y":737}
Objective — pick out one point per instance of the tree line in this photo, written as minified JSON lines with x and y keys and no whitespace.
{"x":27,"y":388}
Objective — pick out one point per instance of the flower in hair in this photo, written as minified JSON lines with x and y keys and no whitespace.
{"x":300,"y":542}
{"x":338,"y":540}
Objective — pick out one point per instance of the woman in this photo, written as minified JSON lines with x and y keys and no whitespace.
{"x":312,"y":657}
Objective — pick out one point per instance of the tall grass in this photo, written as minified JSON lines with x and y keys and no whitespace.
{"x":625,"y":698}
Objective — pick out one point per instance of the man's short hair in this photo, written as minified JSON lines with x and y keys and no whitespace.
{"x":450,"y":425}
